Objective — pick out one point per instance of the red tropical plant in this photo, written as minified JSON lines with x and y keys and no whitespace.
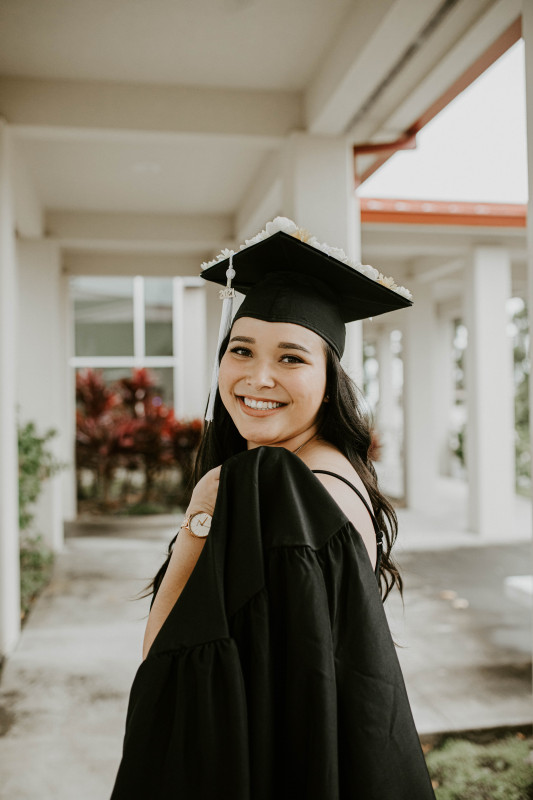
{"x":126,"y":428}
{"x":93,"y":395}
{"x":138,"y":392}
{"x":184,"y":440}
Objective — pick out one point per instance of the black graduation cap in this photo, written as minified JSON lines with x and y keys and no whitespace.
{"x":288,"y":280}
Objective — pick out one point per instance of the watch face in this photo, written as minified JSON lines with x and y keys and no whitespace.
{"x":200,"y":524}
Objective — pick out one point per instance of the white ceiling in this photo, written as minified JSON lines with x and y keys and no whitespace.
{"x":182,"y":176}
{"x":180,"y":107}
{"x":261,"y":44}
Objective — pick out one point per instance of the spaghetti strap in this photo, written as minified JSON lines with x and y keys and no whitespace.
{"x":377,"y":529}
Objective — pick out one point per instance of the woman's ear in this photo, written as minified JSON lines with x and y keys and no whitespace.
{"x":326,"y":399}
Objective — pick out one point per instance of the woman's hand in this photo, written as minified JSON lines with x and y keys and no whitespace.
{"x":204,"y":495}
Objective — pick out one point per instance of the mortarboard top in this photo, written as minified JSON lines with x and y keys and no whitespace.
{"x":288,"y":280}
{"x":288,"y":276}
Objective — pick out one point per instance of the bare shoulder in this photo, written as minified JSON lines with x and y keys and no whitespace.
{"x":322,"y":455}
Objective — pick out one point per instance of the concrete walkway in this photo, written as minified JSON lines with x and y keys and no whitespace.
{"x":63,"y":691}
{"x":465,"y":649}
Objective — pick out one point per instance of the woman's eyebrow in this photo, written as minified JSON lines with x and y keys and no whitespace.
{"x":247,"y":339}
{"x":292,"y":346}
{"x":281,"y":345}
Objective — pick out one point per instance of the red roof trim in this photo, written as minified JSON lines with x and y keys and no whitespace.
{"x":438,"y":212}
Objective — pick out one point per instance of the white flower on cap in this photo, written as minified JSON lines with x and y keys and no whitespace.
{"x":388,"y":282}
{"x":370,"y":272}
{"x":281,"y":224}
{"x":254,"y":240}
{"x":288,"y":226}
{"x":404,"y":292}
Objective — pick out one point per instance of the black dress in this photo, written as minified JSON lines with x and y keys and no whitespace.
{"x":274,"y":676}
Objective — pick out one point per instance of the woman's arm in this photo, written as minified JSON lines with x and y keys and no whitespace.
{"x":185,"y":554}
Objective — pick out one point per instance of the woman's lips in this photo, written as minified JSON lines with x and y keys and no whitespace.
{"x":258,"y":412}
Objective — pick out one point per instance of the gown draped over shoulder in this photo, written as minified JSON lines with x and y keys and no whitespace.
{"x":274,"y":676}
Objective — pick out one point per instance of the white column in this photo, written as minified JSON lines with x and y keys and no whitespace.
{"x":318,"y":194}
{"x":353,"y":355}
{"x":68,"y":382}
{"x":194,"y":353}
{"x":420,"y":444}
{"x":389,"y":467}
{"x":489,"y":388}
{"x":41,"y":370}
{"x":9,"y":533}
{"x":213,"y":311}
{"x":527,"y":33}
{"x":443,"y":370}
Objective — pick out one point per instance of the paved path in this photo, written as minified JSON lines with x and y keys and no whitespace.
{"x":64,"y":689}
{"x":466,"y":646}
{"x":466,"y":653}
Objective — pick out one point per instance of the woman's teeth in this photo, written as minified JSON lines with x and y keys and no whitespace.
{"x":260,"y":404}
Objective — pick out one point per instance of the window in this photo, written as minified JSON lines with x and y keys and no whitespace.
{"x":103,"y":313}
{"x":126,"y":322}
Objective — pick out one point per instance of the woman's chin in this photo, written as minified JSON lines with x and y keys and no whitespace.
{"x":258,"y":433}
{"x":257,"y":437}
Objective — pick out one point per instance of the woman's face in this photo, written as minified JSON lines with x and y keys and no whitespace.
{"x":272,"y":381}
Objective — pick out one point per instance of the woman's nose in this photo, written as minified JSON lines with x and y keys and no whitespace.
{"x":260,"y":374}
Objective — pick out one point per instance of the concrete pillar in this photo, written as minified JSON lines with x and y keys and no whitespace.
{"x":193,"y":326}
{"x":385,"y":409}
{"x":443,"y":370}
{"x":68,"y":432}
{"x":213,"y":311}
{"x":420,"y":442}
{"x":389,"y":467}
{"x":41,"y":369}
{"x":489,"y":389}
{"x":9,"y":533}
{"x":318,"y":194}
{"x":527,"y":34}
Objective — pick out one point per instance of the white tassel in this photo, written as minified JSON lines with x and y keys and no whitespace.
{"x":227,"y":296}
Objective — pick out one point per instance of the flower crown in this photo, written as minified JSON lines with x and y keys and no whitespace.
{"x":288,"y":226}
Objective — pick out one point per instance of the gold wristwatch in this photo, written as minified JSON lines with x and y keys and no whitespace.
{"x":197,"y":524}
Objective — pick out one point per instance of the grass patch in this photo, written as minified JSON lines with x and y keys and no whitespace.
{"x":36,"y":562}
{"x":466,"y":770}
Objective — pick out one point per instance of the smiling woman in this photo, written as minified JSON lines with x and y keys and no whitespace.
{"x":267,"y":648}
{"x":272,"y":382}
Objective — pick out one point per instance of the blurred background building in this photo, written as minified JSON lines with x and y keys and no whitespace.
{"x":138,"y":139}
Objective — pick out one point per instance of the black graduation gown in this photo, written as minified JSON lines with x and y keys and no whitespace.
{"x":274,"y":677}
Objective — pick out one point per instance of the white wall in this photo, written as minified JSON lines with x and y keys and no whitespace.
{"x":42,"y":369}
{"x":193,"y":354}
{"x":9,"y":533}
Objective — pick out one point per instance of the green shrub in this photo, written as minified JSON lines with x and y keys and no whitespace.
{"x":36,"y":464}
{"x":36,"y":561}
{"x":463,"y":770}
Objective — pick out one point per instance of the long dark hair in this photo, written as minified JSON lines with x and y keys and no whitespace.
{"x":343,"y":423}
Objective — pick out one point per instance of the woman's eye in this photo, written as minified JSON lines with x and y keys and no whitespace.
{"x":241,"y":351}
{"x":247,"y":353}
{"x":292,"y":360}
